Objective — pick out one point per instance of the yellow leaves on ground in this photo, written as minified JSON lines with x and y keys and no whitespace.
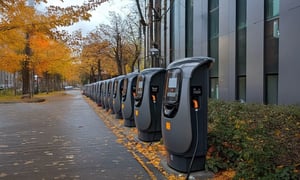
{"x":225,"y":175}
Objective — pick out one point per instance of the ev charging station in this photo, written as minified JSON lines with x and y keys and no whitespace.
{"x":184,"y":116}
{"x":109,"y":95}
{"x":148,"y":103}
{"x":128,"y":94}
{"x":98,"y":93}
{"x":101,"y":93}
{"x":105,"y":95}
{"x":117,"y":89}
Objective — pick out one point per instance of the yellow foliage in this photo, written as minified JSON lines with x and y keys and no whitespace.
{"x":225,"y":175}
{"x":49,"y":56}
{"x":12,"y":45}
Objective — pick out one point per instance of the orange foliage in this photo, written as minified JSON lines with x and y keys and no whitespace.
{"x":49,"y":55}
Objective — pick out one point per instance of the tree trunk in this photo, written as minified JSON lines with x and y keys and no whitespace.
{"x":25,"y":68}
{"x":99,"y":70}
{"x":25,"y":78}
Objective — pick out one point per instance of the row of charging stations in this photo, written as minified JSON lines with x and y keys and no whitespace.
{"x":163,"y":103}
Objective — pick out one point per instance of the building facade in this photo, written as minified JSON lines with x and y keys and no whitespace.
{"x":6,"y":80}
{"x":254,"y":43}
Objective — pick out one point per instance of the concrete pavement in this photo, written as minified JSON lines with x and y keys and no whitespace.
{"x":61,"y":138}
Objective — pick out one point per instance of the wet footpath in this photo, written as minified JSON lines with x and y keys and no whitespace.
{"x":61,"y":138}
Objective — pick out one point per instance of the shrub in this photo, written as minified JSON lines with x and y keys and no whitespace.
{"x":257,"y":141}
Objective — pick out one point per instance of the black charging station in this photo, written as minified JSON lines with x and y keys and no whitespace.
{"x":98,"y":93}
{"x":184,"y":116}
{"x":104,"y":95}
{"x":128,"y":94}
{"x":110,"y":89}
{"x":148,"y":103}
{"x":117,"y":97}
{"x":101,"y":90}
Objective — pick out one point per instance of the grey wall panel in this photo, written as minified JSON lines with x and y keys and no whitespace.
{"x":179,"y":30}
{"x":167,"y":55}
{"x":227,"y":24}
{"x":200,"y":27}
{"x":289,"y":56}
{"x":164,"y":37}
{"x":255,"y":52}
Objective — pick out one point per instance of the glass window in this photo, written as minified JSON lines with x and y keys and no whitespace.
{"x":272,"y":8}
{"x":241,"y":51}
{"x":271,"y":49}
{"x":241,"y":91}
{"x":241,"y":13}
{"x":214,"y":52}
{"x":214,"y":88}
{"x":213,"y":4}
{"x":213,"y":45}
{"x":272,"y":89}
{"x":214,"y":24}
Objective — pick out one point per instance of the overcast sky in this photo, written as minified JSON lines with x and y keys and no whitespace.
{"x":99,"y":16}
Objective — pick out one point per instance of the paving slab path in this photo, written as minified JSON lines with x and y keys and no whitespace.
{"x":61,"y":138}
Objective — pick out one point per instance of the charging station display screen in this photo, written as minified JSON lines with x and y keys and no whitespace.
{"x":172,"y":89}
{"x":124,"y":90}
{"x":116,"y":82}
{"x":172,"y":83}
{"x":109,"y":88}
{"x":139,"y":86}
{"x":101,"y":88}
{"x":104,"y":88}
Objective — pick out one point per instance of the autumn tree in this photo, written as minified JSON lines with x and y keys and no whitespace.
{"x":122,"y":34}
{"x":18,"y":18}
{"x":95,"y":57}
{"x":134,"y":44}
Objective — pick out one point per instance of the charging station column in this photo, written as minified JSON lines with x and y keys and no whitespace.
{"x":148,"y":103}
{"x":117,"y":98}
{"x":128,"y":94}
{"x":110,"y":90}
{"x":184,"y":116}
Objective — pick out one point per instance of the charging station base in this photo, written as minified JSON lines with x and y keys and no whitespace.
{"x":129,"y":123}
{"x":202,"y":175}
{"x":149,"y":136}
{"x":182,"y":164}
{"x":119,"y":116}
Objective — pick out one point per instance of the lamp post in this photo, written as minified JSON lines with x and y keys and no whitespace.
{"x":36,"y":79}
{"x":154,"y":56}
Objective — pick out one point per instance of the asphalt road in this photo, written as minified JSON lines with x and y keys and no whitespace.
{"x":61,"y":138}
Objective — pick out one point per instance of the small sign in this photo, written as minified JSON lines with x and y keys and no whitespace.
{"x":154,"y":89}
{"x":196,"y":90}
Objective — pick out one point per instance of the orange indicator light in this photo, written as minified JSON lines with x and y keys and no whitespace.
{"x":136,"y":112}
{"x":168,"y":125}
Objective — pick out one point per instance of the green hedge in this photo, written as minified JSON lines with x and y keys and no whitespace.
{"x":257,"y":141}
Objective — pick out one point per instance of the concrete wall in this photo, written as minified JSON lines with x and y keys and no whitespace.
{"x":289,"y":57}
{"x":200,"y":28}
{"x":179,"y":30}
{"x":227,"y":34}
{"x":255,"y":52}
